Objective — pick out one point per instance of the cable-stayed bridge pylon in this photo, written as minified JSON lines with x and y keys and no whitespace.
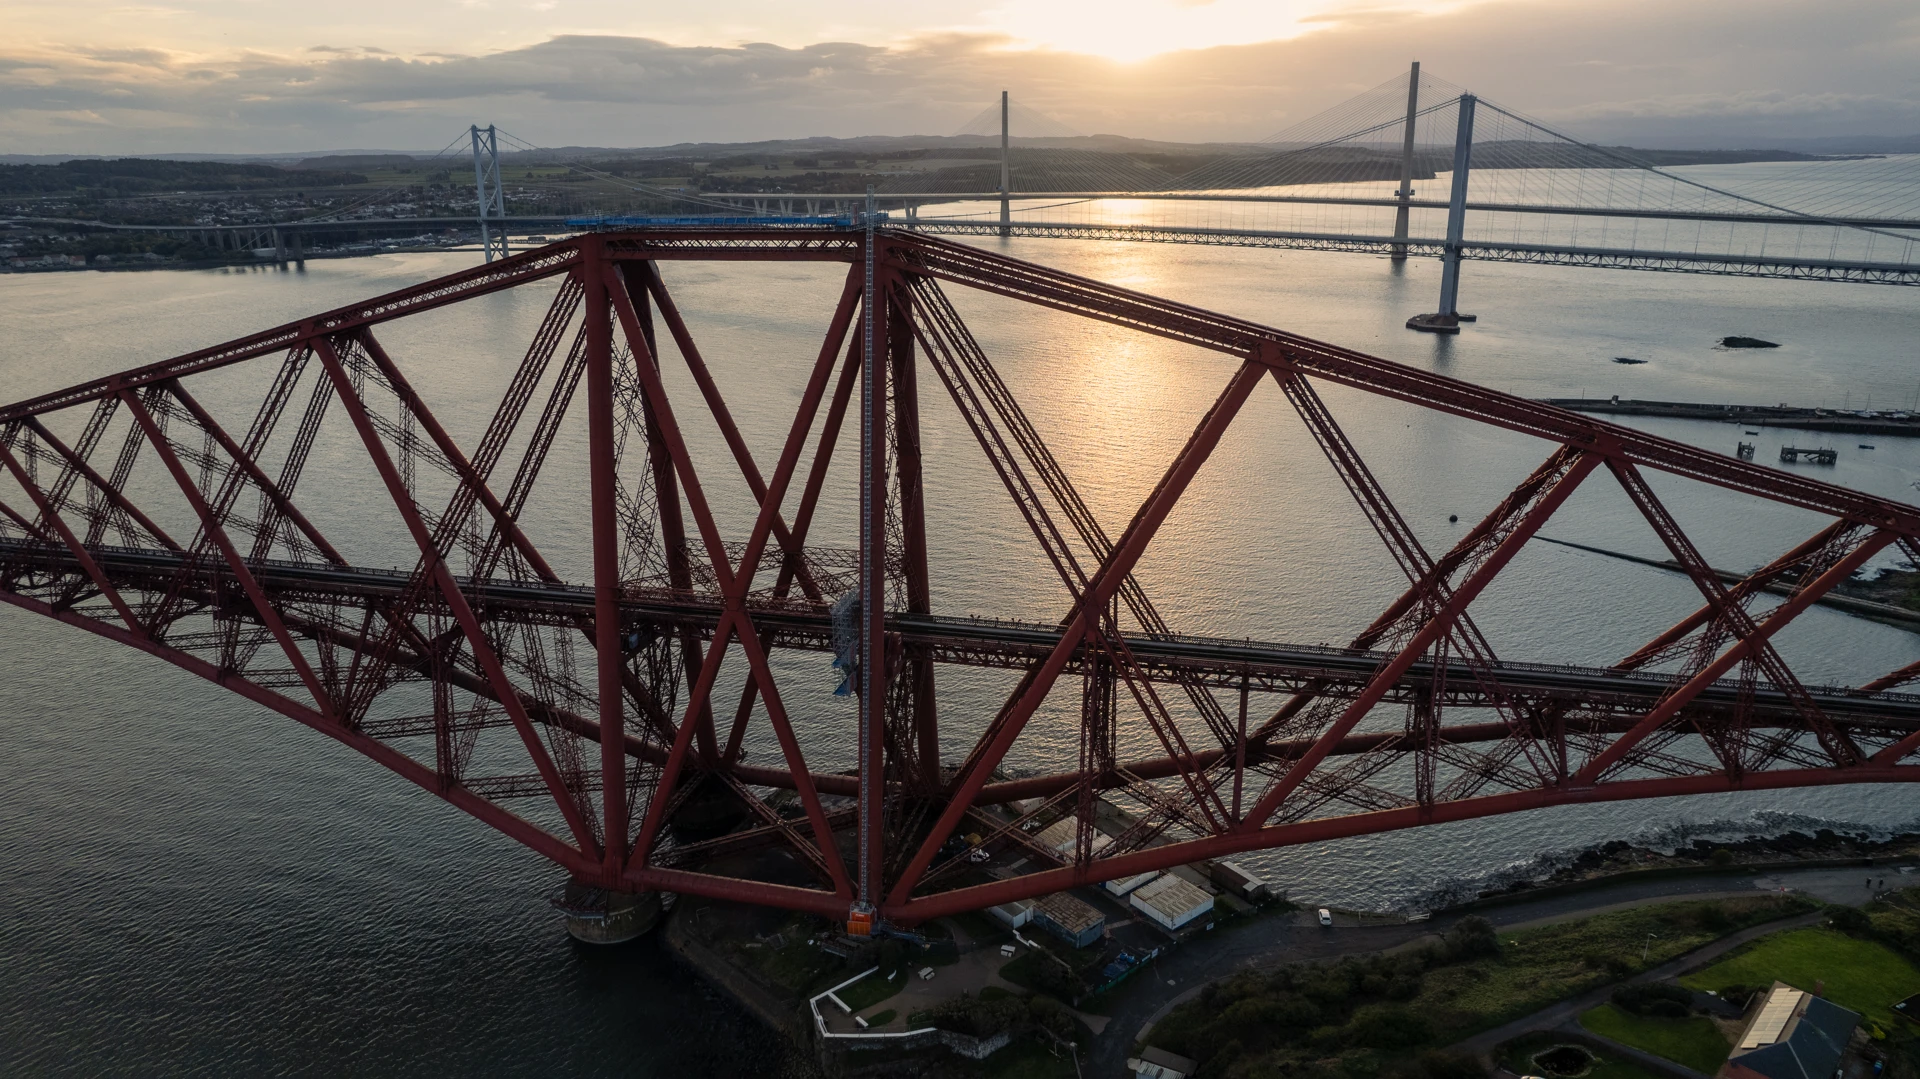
{"x":1420,"y":167}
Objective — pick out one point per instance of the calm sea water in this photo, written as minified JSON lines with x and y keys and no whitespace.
{"x":191,"y":885}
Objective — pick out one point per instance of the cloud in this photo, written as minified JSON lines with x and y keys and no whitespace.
{"x":1710,"y":72}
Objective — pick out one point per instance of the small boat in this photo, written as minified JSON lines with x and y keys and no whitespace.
{"x":1866,"y":445}
{"x":1753,"y":432}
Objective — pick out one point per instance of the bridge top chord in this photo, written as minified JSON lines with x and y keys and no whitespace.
{"x":596,"y":658}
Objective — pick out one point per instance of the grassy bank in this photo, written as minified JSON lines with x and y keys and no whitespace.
{"x":1383,"y":1015}
{"x":1694,"y":1041}
{"x":1861,"y":975}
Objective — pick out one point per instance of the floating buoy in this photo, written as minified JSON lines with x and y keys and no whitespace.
{"x":1453,"y":518}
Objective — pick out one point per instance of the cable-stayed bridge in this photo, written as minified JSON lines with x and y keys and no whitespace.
{"x":1418,"y":166}
{"x":1414,"y":167}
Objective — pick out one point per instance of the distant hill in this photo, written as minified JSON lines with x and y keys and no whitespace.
{"x":1848,"y":144}
{"x":119,"y":177}
{"x":342,"y":162}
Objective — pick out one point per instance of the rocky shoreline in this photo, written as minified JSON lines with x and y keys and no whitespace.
{"x":1795,"y":849}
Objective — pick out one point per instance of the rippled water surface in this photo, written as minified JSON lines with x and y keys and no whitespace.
{"x":189,"y":884}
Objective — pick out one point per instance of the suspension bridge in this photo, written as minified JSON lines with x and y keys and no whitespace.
{"x":1503,"y":187}
{"x":1416,"y":167}
{"x":583,"y":652}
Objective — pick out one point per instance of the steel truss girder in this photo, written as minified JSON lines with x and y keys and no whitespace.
{"x":1320,"y":768}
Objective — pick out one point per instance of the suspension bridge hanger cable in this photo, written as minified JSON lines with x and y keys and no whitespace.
{"x":646,"y":189}
{"x":1633,"y":162}
{"x":383,"y":193}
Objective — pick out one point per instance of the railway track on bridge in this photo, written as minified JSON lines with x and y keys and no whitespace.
{"x":584,"y":719}
{"x":1172,"y":659}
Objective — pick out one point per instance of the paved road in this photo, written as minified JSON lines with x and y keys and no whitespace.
{"x":1278,"y":940}
{"x":1567,"y":1012}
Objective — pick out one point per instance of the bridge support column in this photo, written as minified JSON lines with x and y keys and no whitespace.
{"x":487,"y":184}
{"x":871,"y":679}
{"x":1405,"y":194}
{"x":597,"y":916}
{"x":1449,"y":318}
{"x":1006,"y":172}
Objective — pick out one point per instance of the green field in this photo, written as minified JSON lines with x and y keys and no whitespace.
{"x":1693,"y":1041}
{"x":1859,"y":974}
{"x":1378,"y":1013}
{"x":1537,"y":967}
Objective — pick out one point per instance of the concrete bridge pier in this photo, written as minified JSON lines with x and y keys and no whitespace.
{"x":595,"y":915}
{"x":1403,"y":213}
{"x":1449,"y":318}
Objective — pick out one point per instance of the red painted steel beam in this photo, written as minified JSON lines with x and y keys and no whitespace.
{"x":1754,"y":581}
{"x":1730,"y":614}
{"x":441,"y":291}
{"x":105,"y":486}
{"x":30,"y":528}
{"x":1132,"y":544}
{"x":513,"y":827}
{"x":978,"y":897}
{"x":677,"y":755}
{"x":735,"y":890}
{"x":913,"y":534}
{"x":602,"y":490}
{"x":455,"y":457}
{"x":215,"y":532}
{"x":717,"y":402}
{"x":67,"y":537}
{"x":999,"y":274}
{"x":253,"y":471}
{"x":483,"y":651}
{"x":792,"y":565}
{"x":734,"y":619}
{"x":1429,"y":633}
{"x":1893,"y":678}
{"x":1725,"y":662}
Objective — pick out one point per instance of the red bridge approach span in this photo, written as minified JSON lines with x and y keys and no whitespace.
{"x":585,"y":716}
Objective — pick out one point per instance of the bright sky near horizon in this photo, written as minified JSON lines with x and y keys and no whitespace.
{"x":1124,"y":30}
{"x":91,"y":76}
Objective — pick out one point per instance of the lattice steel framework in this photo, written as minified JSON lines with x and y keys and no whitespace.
{"x":152,"y":524}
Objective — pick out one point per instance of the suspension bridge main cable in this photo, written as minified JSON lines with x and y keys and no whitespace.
{"x":382,"y":193}
{"x":617,"y":181}
{"x":1636,"y":163}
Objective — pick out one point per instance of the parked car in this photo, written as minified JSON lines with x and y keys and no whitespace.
{"x":1326,"y":916}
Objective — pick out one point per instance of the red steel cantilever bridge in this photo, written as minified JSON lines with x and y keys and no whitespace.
{"x":583,"y":717}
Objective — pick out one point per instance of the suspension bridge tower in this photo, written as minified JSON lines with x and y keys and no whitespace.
{"x":487,"y":193}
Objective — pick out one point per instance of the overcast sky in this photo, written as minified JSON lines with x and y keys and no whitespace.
{"x":271,"y":76}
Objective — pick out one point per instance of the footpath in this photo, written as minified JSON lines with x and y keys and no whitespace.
{"x":1566,"y":1014}
{"x":1265,"y":943}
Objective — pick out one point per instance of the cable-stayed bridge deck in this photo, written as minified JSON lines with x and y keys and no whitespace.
{"x":1367,"y":175}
